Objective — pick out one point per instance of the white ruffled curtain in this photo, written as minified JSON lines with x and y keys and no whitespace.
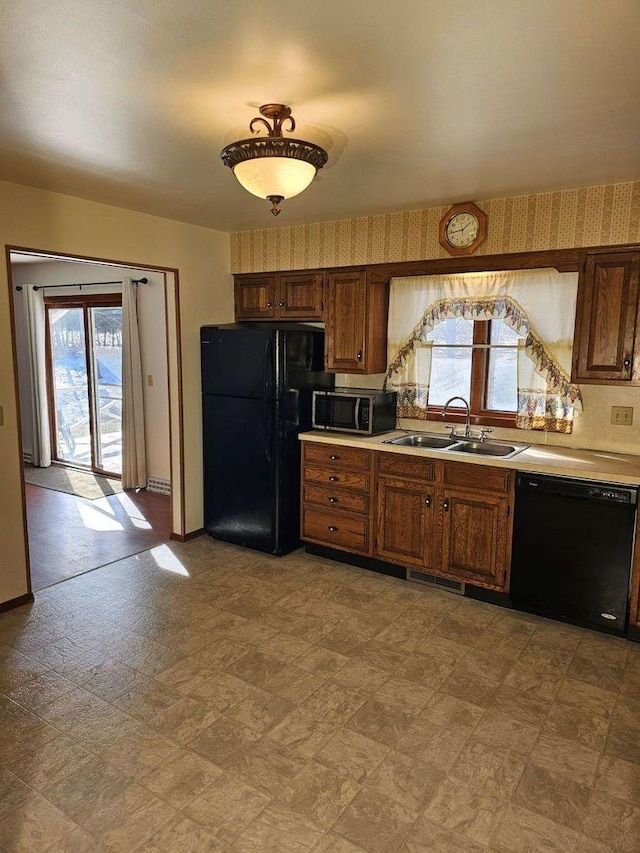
{"x":539,"y":305}
{"x":35,"y":323}
{"x":134,"y":466}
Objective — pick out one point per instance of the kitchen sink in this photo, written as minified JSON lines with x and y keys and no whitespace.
{"x":487,"y":448}
{"x":437,"y":442}
{"x":458,"y":445}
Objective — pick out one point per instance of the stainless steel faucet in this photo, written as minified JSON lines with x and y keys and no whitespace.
{"x":467,"y":429}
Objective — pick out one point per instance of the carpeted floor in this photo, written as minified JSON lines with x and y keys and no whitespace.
{"x":84,"y":484}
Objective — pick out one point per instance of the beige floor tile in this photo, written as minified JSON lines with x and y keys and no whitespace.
{"x":553,"y":795}
{"x":224,"y":741}
{"x":303,"y":732}
{"x":375,"y":823}
{"x":382,"y":722}
{"x":607,"y":674}
{"x":278,"y":830}
{"x":129,"y":820}
{"x":321,"y":661}
{"x":408,"y":782}
{"x":613,"y":822}
{"x":184,"y":720}
{"x":38,"y":691}
{"x":520,"y":705}
{"x":523,"y":831}
{"x":618,"y":778}
{"x":87,"y":790}
{"x":221,"y":691}
{"x":181,"y":834}
{"x":361,"y":676}
{"x":321,"y":793}
{"x":140,"y":752}
{"x":447,"y":710}
{"x":426,"y":836}
{"x":353,"y":753}
{"x":527,"y":678}
{"x":50,"y":762}
{"x":331,"y":843}
{"x":182,"y":778}
{"x":34,"y":824}
{"x":624,"y":734}
{"x":227,"y":807}
{"x":493,"y":771}
{"x":468,"y":683}
{"x":78,"y":841}
{"x":563,"y":756}
{"x":111,"y":679}
{"x":504,"y":732}
{"x":13,"y":791}
{"x":146,"y":700}
{"x":467,"y":811}
{"x":256,"y":668}
{"x":295,"y":684}
{"x":580,"y":723}
{"x":260,"y":711}
{"x":439,"y":745}
{"x":405,"y":695}
{"x":334,"y":702}
{"x":269,"y":767}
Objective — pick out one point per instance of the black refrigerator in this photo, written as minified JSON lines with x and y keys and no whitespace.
{"x":257,"y":383}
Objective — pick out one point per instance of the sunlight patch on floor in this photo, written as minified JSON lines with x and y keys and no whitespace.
{"x":167,"y":560}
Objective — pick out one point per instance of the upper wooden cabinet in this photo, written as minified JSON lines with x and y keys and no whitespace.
{"x":282,"y":296}
{"x":606,"y":344}
{"x":356,"y":309}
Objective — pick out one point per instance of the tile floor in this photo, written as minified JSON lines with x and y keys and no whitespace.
{"x":201,"y":697}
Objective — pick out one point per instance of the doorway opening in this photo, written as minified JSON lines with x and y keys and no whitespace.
{"x":73,"y":395}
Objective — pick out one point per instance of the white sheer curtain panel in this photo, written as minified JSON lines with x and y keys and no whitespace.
{"x":134,"y":466}
{"x":35,"y":322}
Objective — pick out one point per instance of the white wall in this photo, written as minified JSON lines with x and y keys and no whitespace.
{"x":153,"y":344}
{"x":50,"y":222}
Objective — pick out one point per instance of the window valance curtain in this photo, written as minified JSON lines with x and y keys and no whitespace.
{"x":539,"y":305}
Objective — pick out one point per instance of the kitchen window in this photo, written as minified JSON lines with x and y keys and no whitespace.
{"x":477,"y":360}
{"x":501,"y":340}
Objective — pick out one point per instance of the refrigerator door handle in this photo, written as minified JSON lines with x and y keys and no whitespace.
{"x":267,"y":402}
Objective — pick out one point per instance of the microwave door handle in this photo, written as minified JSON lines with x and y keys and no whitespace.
{"x":356,"y":413}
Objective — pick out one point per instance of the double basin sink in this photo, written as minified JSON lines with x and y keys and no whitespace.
{"x":458,"y":445}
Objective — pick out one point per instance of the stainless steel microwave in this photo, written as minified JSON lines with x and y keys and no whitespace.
{"x":354,"y":410}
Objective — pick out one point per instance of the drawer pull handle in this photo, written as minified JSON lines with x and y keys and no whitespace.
{"x":334,"y":479}
{"x":334,"y":501}
{"x":427,"y":501}
{"x":359,"y":355}
{"x":333,"y":529}
{"x":269,"y":304}
{"x":445,"y":505}
{"x":334,"y":456}
{"x":281,"y":303}
{"x":626,"y":363}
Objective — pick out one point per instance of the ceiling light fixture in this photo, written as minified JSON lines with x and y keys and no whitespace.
{"x":273,"y":167}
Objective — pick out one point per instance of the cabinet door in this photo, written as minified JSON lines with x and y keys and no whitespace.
{"x":607,"y":318}
{"x":405,"y":526}
{"x":475,"y":537}
{"x":255,"y":298}
{"x":300,"y":296}
{"x":345,"y":322}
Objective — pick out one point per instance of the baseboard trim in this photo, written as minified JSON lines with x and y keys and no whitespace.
{"x":178,"y":537}
{"x":16,"y":602}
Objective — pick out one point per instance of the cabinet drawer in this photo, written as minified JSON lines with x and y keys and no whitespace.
{"x":409,"y":466}
{"x":335,"y":454}
{"x":336,"y":499}
{"x":337,"y":478}
{"x":335,"y":529}
{"x":477,"y":476}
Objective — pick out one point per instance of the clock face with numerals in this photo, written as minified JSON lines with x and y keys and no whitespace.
{"x":463,"y":228}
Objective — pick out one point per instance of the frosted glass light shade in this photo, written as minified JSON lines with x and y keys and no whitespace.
{"x":274,"y":176}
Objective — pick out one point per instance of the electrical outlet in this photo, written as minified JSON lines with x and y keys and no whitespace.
{"x":622,"y":415}
{"x":150,"y":380}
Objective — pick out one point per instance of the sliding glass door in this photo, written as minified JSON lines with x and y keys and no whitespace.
{"x":85,"y":381}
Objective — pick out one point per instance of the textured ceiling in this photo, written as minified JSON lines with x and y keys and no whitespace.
{"x":418,"y":102}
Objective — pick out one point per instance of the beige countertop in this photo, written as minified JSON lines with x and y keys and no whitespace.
{"x":542,"y":459}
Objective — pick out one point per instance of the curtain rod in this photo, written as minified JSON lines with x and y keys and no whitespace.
{"x":84,"y":284}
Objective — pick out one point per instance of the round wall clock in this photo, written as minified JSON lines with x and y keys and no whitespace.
{"x":463,"y":228}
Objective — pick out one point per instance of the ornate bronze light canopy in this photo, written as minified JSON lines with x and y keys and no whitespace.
{"x":273,"y":167}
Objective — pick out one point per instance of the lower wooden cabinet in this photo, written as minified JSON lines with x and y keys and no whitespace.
{"x":337,"y":484}
{"x":475,"y":537}
{"x":447,"y":518}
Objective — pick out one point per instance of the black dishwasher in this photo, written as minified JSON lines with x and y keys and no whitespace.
{"x":572,"y":550}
